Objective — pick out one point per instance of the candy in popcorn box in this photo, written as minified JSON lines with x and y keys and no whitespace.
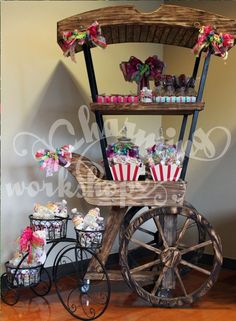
{"x":164,"y":162}
{"x":124,"y":161}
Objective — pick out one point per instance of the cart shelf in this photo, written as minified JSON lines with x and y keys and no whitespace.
{"x":147,"y":108}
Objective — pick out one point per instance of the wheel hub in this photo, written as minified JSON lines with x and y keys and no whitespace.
{"x":170,"y":257}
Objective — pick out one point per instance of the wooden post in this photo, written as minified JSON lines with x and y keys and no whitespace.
{"x":170,"y":233}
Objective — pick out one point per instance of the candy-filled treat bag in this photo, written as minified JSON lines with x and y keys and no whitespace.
{"x":181,"y":87}
{"x":164,"y":161}
{"x":169,"y":81}
{"x":124,"y":160}
{"x":190,"y":92}
{"x":50,"y":210}
{"x":159,"y":90}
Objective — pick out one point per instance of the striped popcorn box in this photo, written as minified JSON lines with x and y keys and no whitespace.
{"x":165,"y":172}
{"x":125,"y":172}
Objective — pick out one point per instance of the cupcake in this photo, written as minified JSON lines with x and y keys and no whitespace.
{"x":164,"y":161}
{"x":124,"y":161}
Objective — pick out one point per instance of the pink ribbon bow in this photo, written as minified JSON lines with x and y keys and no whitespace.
{"x":29,"y":242}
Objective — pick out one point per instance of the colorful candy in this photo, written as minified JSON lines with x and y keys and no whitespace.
{"x":50,"y":210}
{"x":164,"y":154}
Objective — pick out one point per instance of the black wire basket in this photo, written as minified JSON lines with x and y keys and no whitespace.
{"x":55,"y":228}
{"x":23,"y":276}
{"x":89,"y":239}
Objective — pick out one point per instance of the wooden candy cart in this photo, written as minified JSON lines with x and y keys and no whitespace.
{"x":162,"y":237}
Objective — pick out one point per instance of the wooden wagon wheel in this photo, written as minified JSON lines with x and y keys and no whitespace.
{"x":168,"y":257}
{"x":194,"y":228}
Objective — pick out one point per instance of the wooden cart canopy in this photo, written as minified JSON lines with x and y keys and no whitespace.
{"x":169,"y":24}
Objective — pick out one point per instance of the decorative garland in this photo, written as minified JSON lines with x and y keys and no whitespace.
{"x":219,"y":43}
{"x":50,"y":160}
{"x":92,"y":36}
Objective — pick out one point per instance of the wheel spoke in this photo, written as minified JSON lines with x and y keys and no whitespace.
{"x":195,"y":267}
{"x":146,"y":231}
{"x":180,"y":281}
{"x":158,"y":224}
{"x":144,"y":266}
{"x":158,"y":281}
{"x":196,"y":247}
{"x":149,"y":247}
{"x":182,"y":232}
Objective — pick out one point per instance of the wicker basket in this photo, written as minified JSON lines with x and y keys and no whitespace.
{"x":25,"y":276}
{"x":89,"y":239}
{"x":55,"y":228}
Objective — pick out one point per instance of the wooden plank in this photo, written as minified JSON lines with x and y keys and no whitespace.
{"x":170,"y":234}
{"x":187,"y":37}
{"x":151,"y":33}
{"x":122,"y":33}
{"x":137,"y":32}
{"x":115,"y":34}
{"x":147,"y":108}
{"x":144,"y":33}
{"x":165,"y":35}
{"x":179,"y":36}
{"x":158,"y":33}
{"x":115,"y":275}
{"x":130,"y":33}
{"x":171,"y":16}
{"x":172,"y":35}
